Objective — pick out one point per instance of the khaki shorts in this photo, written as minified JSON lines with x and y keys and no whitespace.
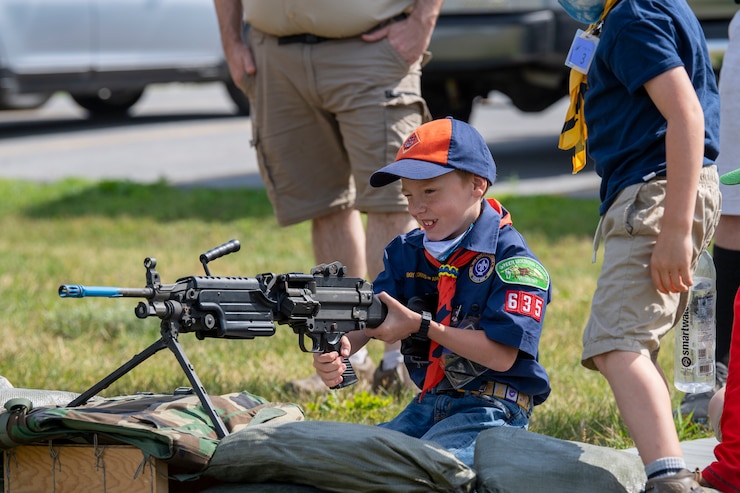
{"x":325,"y":116}
{"x":627,"y":312}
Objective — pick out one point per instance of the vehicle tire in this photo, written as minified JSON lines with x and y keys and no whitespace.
{"x":238,"y":97}
{"x":23,"y":101}
{"x":106,"y":103}
{"x":448,"y":97}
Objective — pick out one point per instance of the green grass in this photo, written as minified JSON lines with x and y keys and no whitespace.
{"x":90,"y":233}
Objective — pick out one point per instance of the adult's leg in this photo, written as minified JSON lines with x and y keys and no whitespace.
{"x":391,"y":373}
{"x":340,"y":236}
{"x":382,"y":228}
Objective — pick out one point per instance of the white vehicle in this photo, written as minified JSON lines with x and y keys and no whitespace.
{"x":105,"y":53}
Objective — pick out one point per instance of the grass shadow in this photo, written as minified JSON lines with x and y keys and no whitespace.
{"x":158,"y":201}
{"x":552,"y":217}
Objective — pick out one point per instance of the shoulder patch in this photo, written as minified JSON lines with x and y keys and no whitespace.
{"x":481,"y":267}
{"x":524,"y":271}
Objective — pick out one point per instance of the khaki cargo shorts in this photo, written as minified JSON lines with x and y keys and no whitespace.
{"x":325,"y":116}
{"x":627,"y":312}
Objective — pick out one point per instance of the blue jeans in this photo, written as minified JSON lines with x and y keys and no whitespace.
{"x":455,"y":422}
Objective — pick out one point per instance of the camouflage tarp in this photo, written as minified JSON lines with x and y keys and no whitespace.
{"x":173,"y":428}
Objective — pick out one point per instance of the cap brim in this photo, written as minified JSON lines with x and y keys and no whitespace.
{"x":413,"y":169}
{"x":731,"y":178}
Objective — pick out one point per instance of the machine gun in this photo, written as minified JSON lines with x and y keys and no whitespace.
{"x":320,"y":307}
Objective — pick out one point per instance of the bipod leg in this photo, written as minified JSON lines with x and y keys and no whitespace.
{"x":205,"y":400}
{"x":121,"y":371}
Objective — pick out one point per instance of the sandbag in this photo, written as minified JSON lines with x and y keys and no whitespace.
{"x":173,"y":428}
{"x":338,"y":457}
{"x":513,"y":460}
{"x":38,"y":397}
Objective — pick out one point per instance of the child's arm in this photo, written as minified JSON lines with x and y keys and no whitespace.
{"x":674,"y":96}
{"x":474,"y":345}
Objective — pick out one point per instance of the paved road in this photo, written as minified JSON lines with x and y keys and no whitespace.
{"x":188,"y":135}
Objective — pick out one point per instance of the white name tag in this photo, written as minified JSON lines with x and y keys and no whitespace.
{"x":582,"y":51}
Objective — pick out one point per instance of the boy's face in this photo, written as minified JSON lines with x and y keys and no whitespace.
{"x":447,"y":205}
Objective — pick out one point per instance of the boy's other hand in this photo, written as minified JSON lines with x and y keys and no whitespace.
{"x":399,"y":323}
{"x":330,"y":366}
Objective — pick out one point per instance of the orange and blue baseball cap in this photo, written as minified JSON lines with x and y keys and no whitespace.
{"x":731,"y":178}
{"x":436,"y":148}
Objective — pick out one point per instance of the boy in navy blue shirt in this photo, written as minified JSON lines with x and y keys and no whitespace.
{"x":651,"y":104}
{"x":479,"y":295}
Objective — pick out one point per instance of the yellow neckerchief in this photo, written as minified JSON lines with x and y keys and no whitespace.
{"x":574,"y":133}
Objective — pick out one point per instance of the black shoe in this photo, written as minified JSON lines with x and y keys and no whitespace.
{"x":696,"y":406}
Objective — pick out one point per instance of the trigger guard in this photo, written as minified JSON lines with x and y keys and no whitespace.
{"x":315,"y":343}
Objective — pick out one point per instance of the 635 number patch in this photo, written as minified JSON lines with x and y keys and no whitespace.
{"x":523,"y":303}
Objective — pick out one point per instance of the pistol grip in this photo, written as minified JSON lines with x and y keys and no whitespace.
{"x":349,"y":377}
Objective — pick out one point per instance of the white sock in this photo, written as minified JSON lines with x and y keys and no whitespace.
{"x":667,"y":466}
{"x":391,"y":359}
{"x":359,"y":357}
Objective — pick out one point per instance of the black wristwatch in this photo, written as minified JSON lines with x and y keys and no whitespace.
{"x":426,"y":319}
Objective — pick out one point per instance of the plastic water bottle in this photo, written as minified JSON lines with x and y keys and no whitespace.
{"x":695,"y":332}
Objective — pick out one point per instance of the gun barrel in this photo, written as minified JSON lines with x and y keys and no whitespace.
{"x":80,"y":291}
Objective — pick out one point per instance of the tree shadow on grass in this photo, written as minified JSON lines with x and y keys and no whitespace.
{"x":158,"y":201}
{"x":553,"y":217}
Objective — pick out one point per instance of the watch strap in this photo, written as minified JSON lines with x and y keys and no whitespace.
{"x":426,"y":319}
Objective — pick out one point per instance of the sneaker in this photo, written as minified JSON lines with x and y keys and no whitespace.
{"x":683,"y":481}
{"x":697,"y":405}
{"x":310,"y":385}
{"x":393,"y":381}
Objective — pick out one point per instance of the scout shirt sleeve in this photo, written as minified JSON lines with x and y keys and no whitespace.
{"x":515,"y":309}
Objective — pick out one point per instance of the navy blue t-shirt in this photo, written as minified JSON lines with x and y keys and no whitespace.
{"x":640,"y":40}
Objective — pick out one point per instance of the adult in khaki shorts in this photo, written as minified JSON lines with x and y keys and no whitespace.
{"x":334,"y":88}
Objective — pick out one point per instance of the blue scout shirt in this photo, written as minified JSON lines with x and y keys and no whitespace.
{"x":626,"y":132}
{"x":504,"y":290}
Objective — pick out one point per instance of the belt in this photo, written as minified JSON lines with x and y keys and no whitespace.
{"x":312,"y":39}
{"x":494,"y":389}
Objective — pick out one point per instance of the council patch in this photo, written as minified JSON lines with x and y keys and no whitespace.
{"x":481,"y":268}
{"x":524,"y":271}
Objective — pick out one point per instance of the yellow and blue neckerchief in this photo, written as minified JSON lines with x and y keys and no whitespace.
{"x":574,"y":133}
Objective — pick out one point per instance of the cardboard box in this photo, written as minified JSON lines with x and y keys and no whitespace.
{"x":76,"y":468}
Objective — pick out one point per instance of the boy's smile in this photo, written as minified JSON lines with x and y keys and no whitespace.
{"x":447,"y":205}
